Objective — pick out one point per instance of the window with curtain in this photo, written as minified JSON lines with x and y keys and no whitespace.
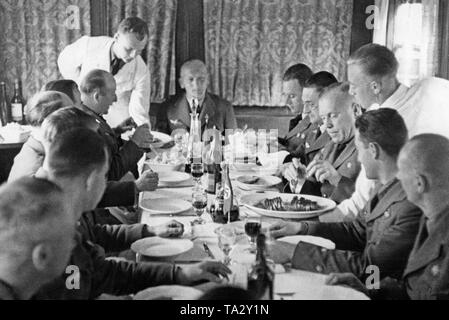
{"x":250,"y":44}
{"x":161,"y":18}
{"x":410,"y":30}
{"x":33,"y":34}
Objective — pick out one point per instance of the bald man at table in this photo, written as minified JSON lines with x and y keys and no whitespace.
{"x":213,"y":111}
{"x":384,"y":233}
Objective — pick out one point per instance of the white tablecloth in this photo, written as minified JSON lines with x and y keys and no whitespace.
{"x":290,"y":284}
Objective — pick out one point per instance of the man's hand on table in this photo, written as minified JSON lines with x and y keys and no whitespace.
{"x":346,"y":279}
{"x":284,"y":229}
{"x":171,"y":229}
{"x":212,"y":271}
{"x":148,"y":181}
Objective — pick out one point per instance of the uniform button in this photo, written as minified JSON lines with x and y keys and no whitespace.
{"x":387,"y":214}
{"x":435,"y":271}
{"x":324,"y":195}
{"x":324,"y":250}
{"x":319,"y":269}
{"x":349,"y":165}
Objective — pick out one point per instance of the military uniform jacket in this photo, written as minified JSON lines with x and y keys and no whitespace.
{"x":123,"y":155}
{"x":427,"y":272}
{"x":383,"y":236}
{"x":347,"y":166}
{"x":100,"y":276}
{"x":175,"y":114}
{"x":295,"y":139}
{"x":314,"y":145}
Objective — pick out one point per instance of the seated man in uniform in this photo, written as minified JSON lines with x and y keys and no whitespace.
{"x":334,"y":170}
{"x":78,"y":161}
{"x":316,"y":136}
{"x":384,"y":233}
{"x":31,"y":156}
{"x":292,"y":89}
{"x":98,"y":89}
{"x":213,"y":111}
{"x":37,"y":233}
{"x":424,"y":173}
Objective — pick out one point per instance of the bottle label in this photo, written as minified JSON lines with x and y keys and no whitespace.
{"x":16,"y":111}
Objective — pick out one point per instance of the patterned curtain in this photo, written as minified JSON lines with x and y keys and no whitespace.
{"x":250,"y":43}
{"x":33,"y":34}
{"x":160,"y":54}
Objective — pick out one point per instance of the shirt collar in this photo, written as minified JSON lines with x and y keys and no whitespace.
{"x":393,"y":100}
{"x":383,"y":189}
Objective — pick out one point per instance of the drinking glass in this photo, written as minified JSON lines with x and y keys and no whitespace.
{"x":253,"y":227}
{"x":197,"y":172}
{"x":226,"y":242}
{"x":199,"y":203}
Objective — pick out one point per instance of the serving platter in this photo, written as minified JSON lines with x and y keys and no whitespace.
{"x":251,"y":200}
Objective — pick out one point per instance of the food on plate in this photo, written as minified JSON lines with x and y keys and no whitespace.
{"x":250,"y":180}
{"x":297,"y":204}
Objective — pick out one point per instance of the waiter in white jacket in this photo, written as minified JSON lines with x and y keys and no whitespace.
{"x":119,"y":55}
{"x":372,"y":74}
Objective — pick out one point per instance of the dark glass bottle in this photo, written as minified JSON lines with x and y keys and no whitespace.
{"x":17,"y":103}
{"x":213,"y":169}
{"x":261,"y":277}
{"x":5,"y":107}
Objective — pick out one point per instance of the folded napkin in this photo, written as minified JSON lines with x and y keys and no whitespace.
{"x":272,"y":160}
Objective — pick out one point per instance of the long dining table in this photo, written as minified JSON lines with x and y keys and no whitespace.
{"x":289,"y":284}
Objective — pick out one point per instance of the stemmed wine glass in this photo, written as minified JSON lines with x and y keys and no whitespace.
{"x":226,"y":241}
{"x":199,"y":203}
{"x":253,"y":227}
{"x":197,"y":170}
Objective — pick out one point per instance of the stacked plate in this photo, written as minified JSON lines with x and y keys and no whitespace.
{"x":165,"y":206}
{"x":156,"y":247}
{"x":173,"y":179}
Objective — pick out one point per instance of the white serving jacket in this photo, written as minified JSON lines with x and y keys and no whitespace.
{"x":425,"y":109}
{"x":133,"y":80}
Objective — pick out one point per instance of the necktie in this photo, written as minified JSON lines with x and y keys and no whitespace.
{"x":116,"y":65}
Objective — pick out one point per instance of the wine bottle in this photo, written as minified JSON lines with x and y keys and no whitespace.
{"x":17,"y":103}
{"x":228,"y":192}
{"x":213,"y":161}
{"x":194,"y":154}
{"x":5,"y":108}
{"x":261,"y":277}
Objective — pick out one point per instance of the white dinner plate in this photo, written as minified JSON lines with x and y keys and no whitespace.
{"x":165,"y":206}
{"x":162,"y":139}
{"x":243,"y":167}
{"x":173,"y":178}
{"x":161,"y":248}
{"x":318,"y":241}
{"x":263,"y":183}
{"x":169,"y":292}
{"x":250,"y":201}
